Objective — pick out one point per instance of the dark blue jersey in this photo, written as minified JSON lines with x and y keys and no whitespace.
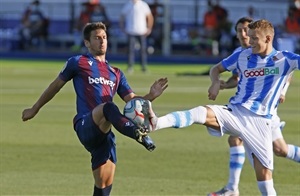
{"x":94,"y":82}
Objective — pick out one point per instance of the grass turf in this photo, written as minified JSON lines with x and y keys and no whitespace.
{"x":44,"y":157}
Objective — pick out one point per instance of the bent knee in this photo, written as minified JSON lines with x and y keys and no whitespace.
{"x":280,"y":152}
{"x":234,"y":141}
{"x":211,"y":119}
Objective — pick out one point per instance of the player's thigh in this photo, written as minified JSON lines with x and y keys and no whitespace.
{"x":257,"y":139}
{"x":104,"y":175}
{"x":99,"y":118}
{"x":211,"y":119}
{"x":221,"y":119}
{"x":101,"y":145}
{"x":262,"y":173}
{"x":234,"y":141}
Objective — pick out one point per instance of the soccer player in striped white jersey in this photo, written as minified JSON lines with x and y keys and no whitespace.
{"x":264,"y":72}
{"x":237,"y":150}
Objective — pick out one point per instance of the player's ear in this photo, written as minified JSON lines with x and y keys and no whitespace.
{"x":86,"y":43}
{"x":268,"y":39}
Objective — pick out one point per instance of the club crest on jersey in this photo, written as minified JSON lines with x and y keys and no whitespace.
{"x":275,"y":58}
{"x":249,"y":73}
{"x":102,"y":81}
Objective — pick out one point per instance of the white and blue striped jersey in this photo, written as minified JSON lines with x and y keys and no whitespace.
{"x":261,"y":79}
{"x":238,"y":49}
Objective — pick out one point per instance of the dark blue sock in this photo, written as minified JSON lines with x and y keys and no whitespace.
{"x":118,"y":120}
{"x":102,"y":192}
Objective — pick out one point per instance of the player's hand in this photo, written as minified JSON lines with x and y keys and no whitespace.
{"x":158,"y":87}
{"x":28,"y":114}
{"x":281,"y":98}
{"x":213,"y":90}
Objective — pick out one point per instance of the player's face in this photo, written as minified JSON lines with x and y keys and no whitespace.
{"x":259,"y":41}
{"x":241,"y":34}
{"x":98,"y":42}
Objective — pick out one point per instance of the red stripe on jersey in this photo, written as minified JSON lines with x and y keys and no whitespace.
{"x":86,"y":72}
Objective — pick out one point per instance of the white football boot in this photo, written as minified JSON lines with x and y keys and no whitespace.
{"x":149,"y":115}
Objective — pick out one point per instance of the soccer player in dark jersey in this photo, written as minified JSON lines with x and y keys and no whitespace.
{"x":95,"y":83}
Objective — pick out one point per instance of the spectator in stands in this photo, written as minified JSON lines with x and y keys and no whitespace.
{"x":99,"y":14}
{"x":216,"y":26}
{"x":83,"y":19}
{"x":136,"y":21}
{"x":156,"y":37}
{"x":211,"y":29}
{"x":222,"y":16}
{"x":297,"y":5}
{"x":210,"y":22}
{"x":292,"y":23}
{"x":292,"y":26}
{"x":34,"y":26}
{"x":224,"y":28}
{"x":252,"y":13}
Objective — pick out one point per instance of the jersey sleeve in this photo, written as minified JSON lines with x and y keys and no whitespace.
{"x":293,"y":59}
{"x":147,"y":8}
{"x":69,"y":69}
{"x":230,"y":63}
{"x":296,"y":57}
{"x":124,"y":88}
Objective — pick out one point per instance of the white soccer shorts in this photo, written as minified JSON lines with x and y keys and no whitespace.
{"x":254,"y":130}
{"x":276,"y":131}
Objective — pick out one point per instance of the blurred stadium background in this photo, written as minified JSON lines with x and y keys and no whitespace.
{"x":182,"y":27}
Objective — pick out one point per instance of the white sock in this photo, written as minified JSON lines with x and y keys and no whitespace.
{"x":266,"y":188}
{"x":293,"y":153}
{"x":236,"y":162}
{"x":180,"y":119}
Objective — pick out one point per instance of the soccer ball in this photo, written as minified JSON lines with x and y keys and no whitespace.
{"x":133,"y":110}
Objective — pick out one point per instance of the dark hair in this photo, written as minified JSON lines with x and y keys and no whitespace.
{"x":36,"y":2}
{"x":243,"y":20}
{"x":89,"y":27}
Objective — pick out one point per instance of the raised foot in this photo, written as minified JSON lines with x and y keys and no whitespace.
{"x":143,"y":138}
{"x":150,"y":119}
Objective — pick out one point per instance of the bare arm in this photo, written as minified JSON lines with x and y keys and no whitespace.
{"x":230,"y":83}
{"x":157,"y":88}
{"x":285,"y":88}
{"x":214,"y":74}
{"x":150,"y":21}
{"x":47,"y":95}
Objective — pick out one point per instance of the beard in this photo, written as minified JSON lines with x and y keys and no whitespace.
{"x":100,"y":52}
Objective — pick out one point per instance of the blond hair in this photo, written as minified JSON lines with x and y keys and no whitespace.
{"x":263,"y":25}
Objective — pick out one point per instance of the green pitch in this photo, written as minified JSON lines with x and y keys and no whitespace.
{"x":44,"y":157}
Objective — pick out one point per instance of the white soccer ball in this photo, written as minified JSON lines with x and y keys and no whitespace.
{"x":133,"y":110}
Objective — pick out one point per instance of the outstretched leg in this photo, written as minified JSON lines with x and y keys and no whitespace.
{"x":178,"y":119}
